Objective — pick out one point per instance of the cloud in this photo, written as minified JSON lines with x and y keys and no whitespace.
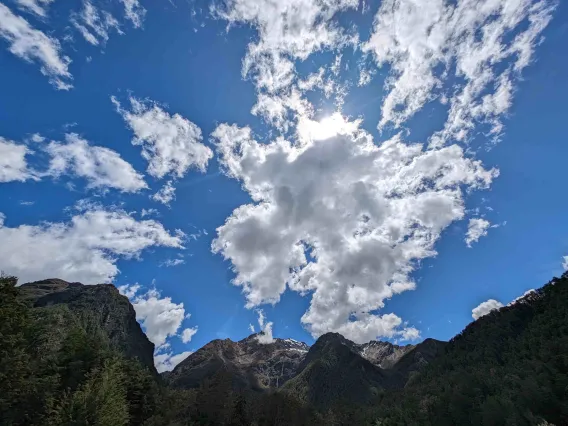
{"x":13,"y":164}
{"x":296,"y":28}
{"x":187,"y":334}
{"x":33,"y":45}
{"x":148,"y":212}
{"x":37,"y":138}
{"x":94,"y":25}
{"x":251,"y":328}
{"x":166,"y":194}
{"x":134,"y":11}
{"x":129,"y":290}
{"x":476,"y":229}
{"x":170,"y":143}
{"x":37,"y":7}
{"x":287,"y":30}
{"x":168,"y":361}
{"x":161,"y":319}
{"x":471,"y":52}
{"x":172,"y":262}
{"x":565,"y":263}
{"x":339,"y":219}
{"x":265,"y":335}
{"x":485,"y":307}
{"x":101,"y":167}
{"x":85,"y":249}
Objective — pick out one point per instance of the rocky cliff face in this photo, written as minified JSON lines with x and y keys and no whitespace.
{"x":100,"y":303}
{"x":382,"y":354}
{"x":253,"y":365}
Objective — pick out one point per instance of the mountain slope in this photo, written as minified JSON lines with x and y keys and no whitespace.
{"x":101,"y":304}
{"x":508,"y":367}
{"x":333,"y":371}
{"x":252,"y":365}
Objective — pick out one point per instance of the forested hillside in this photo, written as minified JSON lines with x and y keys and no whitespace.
{"x":74,"y":355}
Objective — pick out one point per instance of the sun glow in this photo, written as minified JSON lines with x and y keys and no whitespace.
{"x":326,"y":128}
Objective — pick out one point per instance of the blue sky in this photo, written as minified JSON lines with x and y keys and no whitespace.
{"x":383,"y":170}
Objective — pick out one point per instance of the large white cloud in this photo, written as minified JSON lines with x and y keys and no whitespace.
{"x":32,"y":45}
{"x":101,"y":167}
{"x":170,"y":143}
{"x":85,"y":249}
{"x":485,"y":307}
{"x":13,"y":164}
{"x":478,"y":46}
{"x":339,"y":218}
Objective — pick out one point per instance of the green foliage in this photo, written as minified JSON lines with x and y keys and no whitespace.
{"x":508,"y":368}
{"x":99,"y":401}
{"x":58,"y":368}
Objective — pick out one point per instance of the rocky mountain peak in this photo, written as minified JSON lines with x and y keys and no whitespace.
{"x":252,"y":364}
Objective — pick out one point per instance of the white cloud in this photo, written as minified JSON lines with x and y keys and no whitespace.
{"x":265,"y":335}
{"x":161,"y":319}
{"x":13,"y":164}
{"x":485,"y":307}
{"x":129,"y":290}
{"x":172,"y":262}
{"x":37,"y":7}
{"x":33,"y":45}
{"x":168,"y":361}
{"x":170,"y":143}
{"x":477,"y":48}
{"x":289,"y":27}
{"x":188,"y":333}
{"x":37,"y":138}
{"x":101,"y":167}
{"x":134,"y":11}
{"x":365,"y":215}
{"x":287,"y":30}
{"x":166,"y":194}
{"x":148,"y":212}
{"x":85,"y":249}
{"x":251,"y":328}
{"x":95,"y":25}
{"x":476,"y":229}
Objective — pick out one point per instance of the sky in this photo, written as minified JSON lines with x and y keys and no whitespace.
{"x":386,"y":170}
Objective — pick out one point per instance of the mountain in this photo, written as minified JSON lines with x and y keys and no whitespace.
{"x":252,"y":365}
{"x":333,"y":371}
{"x":102,"y":304}
{"x":74,"y":354}
{"x":382,"y":354}
{"x":508,"y":367}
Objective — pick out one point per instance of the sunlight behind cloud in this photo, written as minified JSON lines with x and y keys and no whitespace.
{"x":326,"y":128}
